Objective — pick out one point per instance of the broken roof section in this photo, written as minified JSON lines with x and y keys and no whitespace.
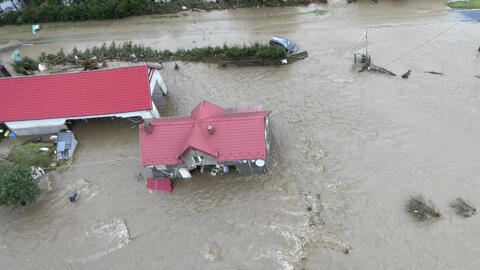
{"x":75,"y":94}
{"x":159,"y":184}
{"x":210,"y":129}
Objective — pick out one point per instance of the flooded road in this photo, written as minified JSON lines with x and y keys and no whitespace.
{"x":349,"y":149}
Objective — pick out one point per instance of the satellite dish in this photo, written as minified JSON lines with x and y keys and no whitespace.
{"x":260,"y":162}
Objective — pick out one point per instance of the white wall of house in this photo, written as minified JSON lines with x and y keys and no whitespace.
{"x":48,"y":126}
{"x":157,"y":79}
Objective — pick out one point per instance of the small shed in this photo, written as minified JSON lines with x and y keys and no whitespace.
{"x":66,"y":144}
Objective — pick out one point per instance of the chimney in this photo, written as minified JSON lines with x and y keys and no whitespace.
{"x":210,"y":130}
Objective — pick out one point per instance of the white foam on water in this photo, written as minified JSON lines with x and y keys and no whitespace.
{"x":287,"y":259}
{"x":115,"y":233}
{"x":85,"y":190}
{"x":212,"y":252}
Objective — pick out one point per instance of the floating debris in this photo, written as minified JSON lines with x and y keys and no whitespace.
{"x":434,"y":72}
{"x":422,"y":209}
{"x":372,"y":67}
{"x":213,"y":252}
{"x":478,"y":76}
{"x":405,"y":76}
{"x":463,"y":207}
{"x":176,"y":67}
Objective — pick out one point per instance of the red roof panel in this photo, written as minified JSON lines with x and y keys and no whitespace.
{"x":74,"y":94}
{"x":236,"y":136}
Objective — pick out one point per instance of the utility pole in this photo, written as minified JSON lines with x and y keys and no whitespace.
{"x":366,"y":43}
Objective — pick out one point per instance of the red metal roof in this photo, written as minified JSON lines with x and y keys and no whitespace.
{"x":74,"y":94}
{"x":236,"y":136}
{"x":159,"y":184}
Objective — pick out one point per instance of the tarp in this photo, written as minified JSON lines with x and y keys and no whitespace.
{"x":159,"y":184}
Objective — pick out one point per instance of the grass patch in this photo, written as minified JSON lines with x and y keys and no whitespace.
{"x":29,"y":154}
{"x":319,"y":12}
{"x":465,"y":4}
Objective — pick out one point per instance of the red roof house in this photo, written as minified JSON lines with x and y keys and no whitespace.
{"x":41,"y":104}
{"x":211,"y":137}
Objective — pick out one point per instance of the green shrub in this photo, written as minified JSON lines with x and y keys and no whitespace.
{"x":17,"y":184}
{"x":271,"y":52}
{"x":25,"y":66}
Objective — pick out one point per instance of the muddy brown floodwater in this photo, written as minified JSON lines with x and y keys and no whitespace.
{"x":350,"y":147}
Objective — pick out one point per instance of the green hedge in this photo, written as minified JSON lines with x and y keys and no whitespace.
{"x":116,"y":9}
{"x":124,"y":52}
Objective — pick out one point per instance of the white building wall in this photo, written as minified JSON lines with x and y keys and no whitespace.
{"x":157,"y":78}
{"x":48,"y":126}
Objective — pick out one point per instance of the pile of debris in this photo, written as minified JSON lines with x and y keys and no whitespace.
{"x":422,"y":209}
{"x":463,"y":207}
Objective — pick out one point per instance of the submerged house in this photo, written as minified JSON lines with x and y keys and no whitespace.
{"x":41,"y":104}
{"x":66,"y":144}
{"x":212,"y":138}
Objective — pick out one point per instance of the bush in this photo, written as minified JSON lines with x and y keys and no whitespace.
{"x":26,"y":66}
{"x":271,"y":52}
{"x":17,"y":184}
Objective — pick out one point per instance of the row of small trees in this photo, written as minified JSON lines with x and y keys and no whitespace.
{"x":131,"y":52}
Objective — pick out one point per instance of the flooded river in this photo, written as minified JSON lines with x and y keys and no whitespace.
{"x":349,"y":149}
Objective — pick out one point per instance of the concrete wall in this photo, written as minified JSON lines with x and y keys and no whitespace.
{"x":36,"y":127}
